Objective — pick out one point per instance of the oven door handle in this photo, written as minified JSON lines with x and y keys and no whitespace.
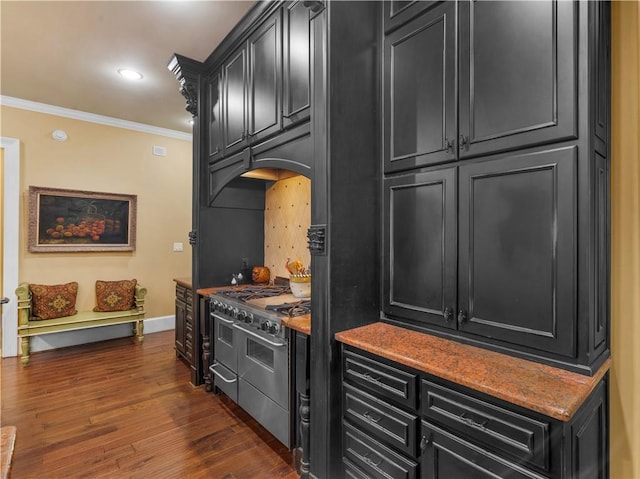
{"x":251,"y":333}
{"x":224,"y":320}
{"x":220,"y":375}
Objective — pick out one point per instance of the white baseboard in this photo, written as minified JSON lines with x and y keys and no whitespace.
{"x":92,"y":335}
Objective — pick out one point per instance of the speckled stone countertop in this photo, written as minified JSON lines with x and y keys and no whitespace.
{"x":186,"y":282}
{"x":551,"y":391}
{"x":301,"y":324}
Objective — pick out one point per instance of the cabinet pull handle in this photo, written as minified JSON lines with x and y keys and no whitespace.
{"x":464,"y":142}
{"x":370,"y":378}
{"x":369,"y":417}
{"x":462,"y":316}
{"x":449,"y":145}
{"x":470,"y":422}
{"x":424,"y":442}
{"x":371,"y":462}
{"x":448,"y":314}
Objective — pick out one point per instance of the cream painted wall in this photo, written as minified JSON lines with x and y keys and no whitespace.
{"x":625,"y":242}
{"x":103,"y":158}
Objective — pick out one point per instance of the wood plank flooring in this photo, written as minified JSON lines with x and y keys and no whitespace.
{"x":117,"y":409}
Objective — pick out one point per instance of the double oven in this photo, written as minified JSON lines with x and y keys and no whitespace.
{"x":251,"y":354}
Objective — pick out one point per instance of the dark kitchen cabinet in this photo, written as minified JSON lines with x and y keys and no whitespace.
{"x":296,"y":63}
{"x":214,"y":116}
{"x":419,"y":92}
{"x":265,"y":79}
{"x":263,"y":86}
{"x":184,"y":323}
{"x":422,"y":426}
{"x":234,"y":102}
{"x":516,"y":85}
{"x":517,"y":248}
{"x":506,"y":244}
{"x":518,"y":74}
{"x":487,"y":248}
{"x":421,"y":246}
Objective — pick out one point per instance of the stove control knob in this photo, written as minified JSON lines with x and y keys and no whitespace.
{"x":265,"y":326}
{"x":249,"y":318}
{"x":242,"y":316}
{"x":274,"y":328}
{"x":233,"y":312}
{"x":214,"y":305}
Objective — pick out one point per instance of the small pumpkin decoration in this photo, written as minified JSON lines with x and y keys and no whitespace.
{"x":260,"y":275}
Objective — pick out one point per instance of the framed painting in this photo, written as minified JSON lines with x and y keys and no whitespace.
{"x":68,"y":221}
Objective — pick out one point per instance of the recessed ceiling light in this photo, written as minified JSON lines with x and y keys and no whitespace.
{"x":130,"y":74}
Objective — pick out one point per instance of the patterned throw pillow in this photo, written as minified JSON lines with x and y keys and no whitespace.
{"x":115,"y":295}
{"x":53,"y":301}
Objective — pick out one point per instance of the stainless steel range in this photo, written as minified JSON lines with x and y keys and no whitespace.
{"x":251,"y":352}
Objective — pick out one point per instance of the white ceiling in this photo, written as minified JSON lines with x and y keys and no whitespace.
{"x":67,"y":53}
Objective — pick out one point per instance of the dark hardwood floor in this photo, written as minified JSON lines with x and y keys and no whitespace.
{"x":117,"y":409}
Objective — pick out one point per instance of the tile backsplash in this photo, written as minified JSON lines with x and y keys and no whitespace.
{"x":287,"y":217}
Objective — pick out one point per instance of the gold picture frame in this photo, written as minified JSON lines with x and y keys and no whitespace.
{"x":62,"y":220}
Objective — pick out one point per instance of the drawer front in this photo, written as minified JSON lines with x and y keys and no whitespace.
{"x":448,"y":456}
{"x":523,"y":438}
{"x":381,"y":420}
{"x":352,"y":472}
{"x":375,"y":459}
{"x":181,"y":292}
{"x":386,"y":381}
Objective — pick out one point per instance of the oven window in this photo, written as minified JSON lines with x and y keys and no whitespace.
{"x":225,"y":334}
{"x":260,"y":353}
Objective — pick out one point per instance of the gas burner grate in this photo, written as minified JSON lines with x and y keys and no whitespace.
{"x":255,"y":292}
{"x":291,"y":309}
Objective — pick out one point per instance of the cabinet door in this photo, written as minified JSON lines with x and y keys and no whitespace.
{"x":234,"y":102}
{"x":214,"y":119}
{"x":420,"y":247}
{"x":448,"y":456}
{"x":296,"y":64}
{"x":419,"y":91}
{"x":397,"y":12}
{"x":265,"y":78}
{"x":517,"y":258}
{"x":517,"y":74}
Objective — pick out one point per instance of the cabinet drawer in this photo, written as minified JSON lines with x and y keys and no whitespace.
{"x":352,"y":472}
{"x":448,"y":456}
{"x":523,"y":438}
{"x":383,"y":380}
{"x":375,"y":459}
{"x":380,"y":419}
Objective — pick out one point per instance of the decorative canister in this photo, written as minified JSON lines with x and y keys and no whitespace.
{"x":300,"y":285}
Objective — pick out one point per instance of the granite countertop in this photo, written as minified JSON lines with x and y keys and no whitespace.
{"x":554,"y":392}
{"x":301,"y":324}
{"x":186,"y":282}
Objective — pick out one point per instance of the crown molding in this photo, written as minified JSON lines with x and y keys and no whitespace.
{"x":91,"y":117}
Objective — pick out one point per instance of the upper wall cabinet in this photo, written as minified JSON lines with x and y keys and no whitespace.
{"x":516,"y":85}
{"x":296,"y":86}
{"x":263,"y":86}
{"x":234,"y":102}
{"x":265,"y":79}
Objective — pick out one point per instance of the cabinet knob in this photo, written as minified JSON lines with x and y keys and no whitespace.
{"x":448,"y":314}
{"x":462,"y":316}
{"x":464,"y":142}
{"x":424,"y":442}
{"x":449,"y":145}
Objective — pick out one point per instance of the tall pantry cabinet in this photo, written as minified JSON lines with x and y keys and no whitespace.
{"x":496,"y":176}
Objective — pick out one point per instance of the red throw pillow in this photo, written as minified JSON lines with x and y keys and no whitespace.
{"x":53,"y":301}
{"x":115,"y":295}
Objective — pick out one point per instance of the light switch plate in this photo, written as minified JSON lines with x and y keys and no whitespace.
{"x":178,"y":247}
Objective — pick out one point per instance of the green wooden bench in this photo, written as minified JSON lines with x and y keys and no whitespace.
{"x":27,"y":326}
